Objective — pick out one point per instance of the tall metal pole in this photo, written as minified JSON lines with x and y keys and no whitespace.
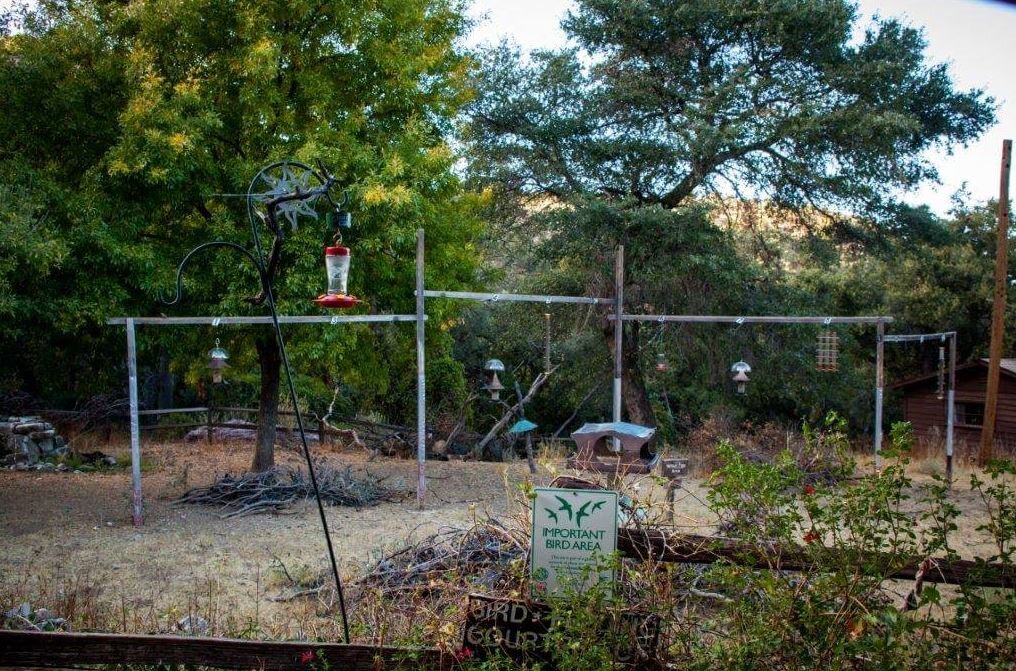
{"x":137,"y":514}
{"x":998,"y":311}
{"x":879,"y":384}
{"x":618,"y":329}
{"x":950,"y":411}
{"x":421,"y":379}
{"x":546,"y":342}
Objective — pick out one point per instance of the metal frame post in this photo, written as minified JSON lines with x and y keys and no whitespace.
{"x":879,"y":386}
{"x":137,"y":513}
{"x":950,"y":411}
{"x":618,"y":330}
{"x":421,"y":377}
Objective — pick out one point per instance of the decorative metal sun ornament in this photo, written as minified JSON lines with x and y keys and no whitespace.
{"x":279,"y":179}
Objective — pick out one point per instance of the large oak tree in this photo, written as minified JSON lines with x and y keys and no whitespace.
{"x":662,"y":103}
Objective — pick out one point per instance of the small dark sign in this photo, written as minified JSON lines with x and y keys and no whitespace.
{"x":519,"y":629}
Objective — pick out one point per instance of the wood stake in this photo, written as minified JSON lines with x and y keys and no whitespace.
{"x":998,"y":311}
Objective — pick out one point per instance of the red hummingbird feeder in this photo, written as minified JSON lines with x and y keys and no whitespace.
{"x":337,"y":268}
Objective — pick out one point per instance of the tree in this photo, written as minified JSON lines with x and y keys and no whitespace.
{"x":665,"y":102}
{"x":169,"y":105}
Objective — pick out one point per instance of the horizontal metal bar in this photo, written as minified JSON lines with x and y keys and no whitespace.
{"x":166,"y":427}
{"x":766,"y":319}
{"x":311,"y":319}
{"x":515,"y":298}
{"x":170,"y":411}
{"x":919,"y":337}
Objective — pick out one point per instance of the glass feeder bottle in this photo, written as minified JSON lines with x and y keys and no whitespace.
{"x":337,"y":267}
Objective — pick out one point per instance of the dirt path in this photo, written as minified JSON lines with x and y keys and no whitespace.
{"x":68,"y":542}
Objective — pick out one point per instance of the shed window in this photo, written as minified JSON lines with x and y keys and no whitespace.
{"x":970,"y":414}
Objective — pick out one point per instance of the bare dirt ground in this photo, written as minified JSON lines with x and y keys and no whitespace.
{"x":67,"y":539}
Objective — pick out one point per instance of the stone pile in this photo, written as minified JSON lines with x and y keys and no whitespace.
{"x":24,"y":617}
{"x":26,"y":441}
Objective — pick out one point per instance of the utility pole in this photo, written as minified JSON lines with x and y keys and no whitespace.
{"x":998,"y":311}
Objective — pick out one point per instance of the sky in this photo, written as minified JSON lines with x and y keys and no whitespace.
{"x":973,"y":37}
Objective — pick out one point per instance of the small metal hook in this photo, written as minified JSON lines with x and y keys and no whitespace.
{"x":828,"y":321}
{"x":216,"y":321}
{"x":335,"y":320}
{"x":216,"y":342}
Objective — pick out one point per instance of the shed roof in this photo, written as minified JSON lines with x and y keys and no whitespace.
{"x":1008,"y":368}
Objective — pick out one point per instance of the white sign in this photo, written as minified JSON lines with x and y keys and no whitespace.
{"x":573,"y":530}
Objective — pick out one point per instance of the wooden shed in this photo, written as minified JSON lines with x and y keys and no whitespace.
{"x":927,"y":413}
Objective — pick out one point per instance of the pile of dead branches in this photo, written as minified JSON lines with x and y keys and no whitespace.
{"x":282,"y":486}
{"x":480,"y":556}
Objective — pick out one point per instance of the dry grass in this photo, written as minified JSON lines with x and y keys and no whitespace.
{"x":69,"y":546}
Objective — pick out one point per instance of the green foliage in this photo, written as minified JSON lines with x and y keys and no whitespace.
{"x":171,"y":104}
{"x":661,"y":114}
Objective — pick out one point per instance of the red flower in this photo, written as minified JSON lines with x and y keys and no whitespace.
{"x":809,"y":490}
{"x":307,"y":656}
{"x":810,"y":537}
{"x":462,"y":653}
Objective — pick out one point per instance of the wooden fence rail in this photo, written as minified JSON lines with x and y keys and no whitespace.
{"x":62,"y":650}
{"x":692,"y":549}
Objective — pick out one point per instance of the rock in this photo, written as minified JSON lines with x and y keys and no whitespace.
{"x":42,"y":435}
{"x":45,"y":466}
{"x":46,"y":446}
{"x":26,"y":451}
{"x":24,"y":610}
{"x":440,"y":448}
{"x":63,"y":468}
{"x":109,"y":460}
{"x":53,"y":624}
{"x":61,"y":442}
{"x":31,"y":427}
{"x":61,"y":451}
{"x":193,"y":624}
{"x":42,"y":614}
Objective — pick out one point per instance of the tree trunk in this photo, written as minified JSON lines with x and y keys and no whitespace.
{"x":633,"y":391}
{"x":268,"y":404}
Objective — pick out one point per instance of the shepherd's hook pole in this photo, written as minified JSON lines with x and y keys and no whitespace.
{"x":270,"y":299}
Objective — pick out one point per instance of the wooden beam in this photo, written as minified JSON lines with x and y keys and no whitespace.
{"x":691,"y":549}
{"x":998,"y":310}
{"x":41,"y":649}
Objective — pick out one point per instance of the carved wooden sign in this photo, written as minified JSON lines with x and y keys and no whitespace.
{"x":519,"y":630}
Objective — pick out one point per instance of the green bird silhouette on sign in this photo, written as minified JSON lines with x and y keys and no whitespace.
{"x":582,"y":513}
{"x":565,"y":506}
